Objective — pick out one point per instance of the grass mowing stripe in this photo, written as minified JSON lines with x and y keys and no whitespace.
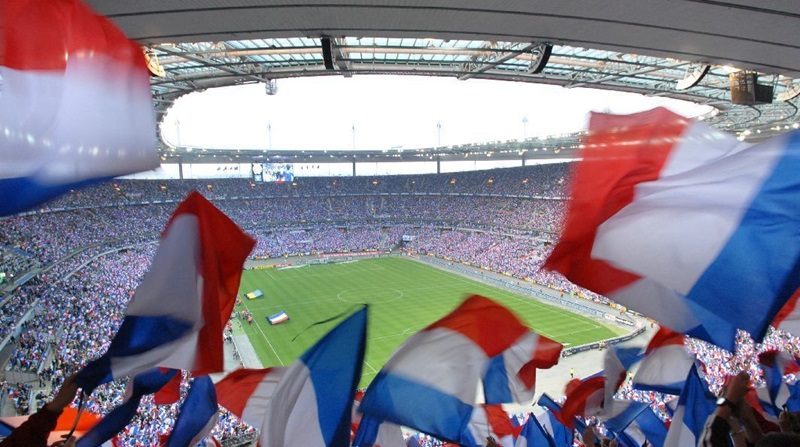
{"x":404,"y":296}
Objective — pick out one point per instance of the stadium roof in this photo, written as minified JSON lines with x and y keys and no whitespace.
{"x":642,"y":46}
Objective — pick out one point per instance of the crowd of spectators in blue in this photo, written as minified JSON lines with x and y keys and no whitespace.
{"x":503,"y":220}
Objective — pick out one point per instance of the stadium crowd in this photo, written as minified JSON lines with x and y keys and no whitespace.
{"x":79,"y":302}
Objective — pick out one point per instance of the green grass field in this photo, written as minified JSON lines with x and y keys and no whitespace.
{"x":404,"y":296}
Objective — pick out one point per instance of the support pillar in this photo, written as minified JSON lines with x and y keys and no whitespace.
{"x":180,"y":170}
{"x":354,"y":166}
{"x":438,"y":165}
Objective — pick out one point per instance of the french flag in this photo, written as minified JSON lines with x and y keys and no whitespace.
{"x":534,"y":435}
{"x":622,"y":413}
{"x":647,"y":426}
{"x":316,"y":392}
{"x":666,"y":364}
{"x":197,"y":416}
{"x":668,"y":216}
{"x":489,"y":421}
{"x":115,"y":421}
{"x":438,"y":397}
{"x":776,"y":392}
{"x":374,"y":433}
{"x":511,"y":376}
{"x":248,"y":393}
{"x":585,"y":397}
{"x":176,"y":317}
{"x":76,"y":102}
{"x":552,"y":421}
{"x":788,"y":319}
{"x":617,"y":362}
{"x":695,"y":405}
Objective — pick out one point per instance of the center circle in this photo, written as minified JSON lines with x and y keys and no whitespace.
{"x":369,"y":295}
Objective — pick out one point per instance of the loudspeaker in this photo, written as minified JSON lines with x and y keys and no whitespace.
{"x":327,"y":53}
{"x":746,"y":90}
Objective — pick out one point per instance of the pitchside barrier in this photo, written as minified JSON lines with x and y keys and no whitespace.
{"x":596,"y":345}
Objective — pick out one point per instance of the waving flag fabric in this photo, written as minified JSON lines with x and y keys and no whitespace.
{"x":552,"y":421}
{"x":788,"y":319}
{"x":622,"y":413}
{"x":533,"y":435}
{"x":316,"y":391}
{"x":438,"y":397}
{"x":176,"y":317}
{"x":374,"y":433}
{"x":197,"y":415}
{"x":511,"y":376}
{"x":776,"y":393}
{"x":617,"y":362}
{"x":146,"y":383}
{"x":248,"y":393}
{"x":666,"y":364}
{"x":489,"y":421}
{"x":695,"y":405}
{"x":668,"y":216}
{"x":585,"y":398}
{"x":76,"y":102}
{"x":648,"y":426}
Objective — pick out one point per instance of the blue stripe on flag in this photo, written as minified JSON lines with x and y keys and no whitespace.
{"x":412,"y":404}
{"x":653,"y":428}
{"x":335,"y":364}
{"x":111,"y":424}
{"x":5,"y":429}
{"x":195,"y":413}
{"x":146,"y":383}
{"x":22,"y":193}
{"x":136,"y":335}
{"x":495,"y":382}
{"x":562,"y":436}
{"x":670,"y":388}
{"x":698,"y":402}
{"x":367,"y":432}
{"x":760,"y":262}
{"x":534,"y":433}
{"x":619,"y":422}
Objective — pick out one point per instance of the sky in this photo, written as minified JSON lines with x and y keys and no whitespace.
{"x":319,"y":113}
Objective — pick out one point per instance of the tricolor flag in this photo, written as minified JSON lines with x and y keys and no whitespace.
{"x":668,"y":216}
{"x":197,"y":416}
{"x":248,"y":393}
{"x":76,"y":103}
{"x":374,"y":433}
{"x":666,"y":364}
{"x":177,"y":315}
{"x":115,"y":421}
{"x":552,"y":422}
{"x":695,"y":405}
{"x":618,"y":361}
{"x":622,"y":413}
{"x":489,"y":421}
{"x":316,"y":391}
{"x":533,"y":435}
{"x":511,"y":376}
{"x":788,"y":319}
{"x":647,"y":426}
{"x":585,"y":397}
{"x":437,"y":397}
{"x":776,"y":392}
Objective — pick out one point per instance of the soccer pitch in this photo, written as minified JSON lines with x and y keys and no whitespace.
{"x":404,"y":297}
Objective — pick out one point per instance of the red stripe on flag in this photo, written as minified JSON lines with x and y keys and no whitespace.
{"x":575,"y":405}
{"x":620,"y":152}
{"x":235,"y":389}
{"x":547,"y":354}
{"x":169,"y":393}
{"x":664,"y":337}
{"x":789,"y":308}
{"x":224,"y":249}
{"x":45,"y":35}
{"x":499,"y":421}
{"x":488,"y":324}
